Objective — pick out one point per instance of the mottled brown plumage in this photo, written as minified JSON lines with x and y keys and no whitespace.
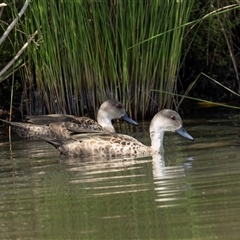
{"x":115,"y":145}
{"x":62,"y":127}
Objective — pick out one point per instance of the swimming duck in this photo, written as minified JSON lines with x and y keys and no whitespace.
{"x":62,"y":127}
{"x":117,"y":145}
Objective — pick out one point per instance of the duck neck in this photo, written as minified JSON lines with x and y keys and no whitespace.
{"x":157,"y":142}
{"x":105,"y":122}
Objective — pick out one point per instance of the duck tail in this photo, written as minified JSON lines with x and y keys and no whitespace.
{"x":54,"y":142}
{"x":15,"y":124}
{"x":22,"y":125}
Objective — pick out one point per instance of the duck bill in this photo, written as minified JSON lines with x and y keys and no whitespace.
{"x":181,"y":131}
{"x":127,"y":119}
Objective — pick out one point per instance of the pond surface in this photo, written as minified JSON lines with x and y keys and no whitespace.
{"x":194,"y":193}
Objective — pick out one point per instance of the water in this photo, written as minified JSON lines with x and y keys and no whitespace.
{"x":194,"y":193}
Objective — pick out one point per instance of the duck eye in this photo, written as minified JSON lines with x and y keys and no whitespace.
{"x":119,"y":106}
{"x":173,"y":118}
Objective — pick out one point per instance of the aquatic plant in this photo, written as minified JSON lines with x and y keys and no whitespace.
{"x":83,"y":52}
{"x":88,"y":51}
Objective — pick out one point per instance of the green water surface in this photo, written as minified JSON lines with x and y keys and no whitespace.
{"x":193,"y":193}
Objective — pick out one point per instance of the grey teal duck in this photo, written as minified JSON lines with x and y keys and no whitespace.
{"x":62,"y":127}
{"x":117,"y":145}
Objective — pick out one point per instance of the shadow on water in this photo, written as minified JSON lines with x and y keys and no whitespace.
{"x":193,"y":193}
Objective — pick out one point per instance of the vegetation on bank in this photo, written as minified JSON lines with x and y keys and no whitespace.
{"x":75,"y":54}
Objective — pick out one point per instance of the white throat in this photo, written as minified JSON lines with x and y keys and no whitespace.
{"x":157,"y":142}
{"x":105,"y":122}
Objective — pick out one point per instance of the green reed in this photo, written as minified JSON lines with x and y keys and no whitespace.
{"x":88,"y":51}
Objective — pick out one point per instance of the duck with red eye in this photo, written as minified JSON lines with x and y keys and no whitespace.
{"x":116,"y":145}
{"x":163,"y":121}
{"x":63,"y":127}
{"x":181,"y":131}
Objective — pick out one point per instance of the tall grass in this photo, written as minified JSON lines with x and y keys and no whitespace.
{"x":88,"y":51}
